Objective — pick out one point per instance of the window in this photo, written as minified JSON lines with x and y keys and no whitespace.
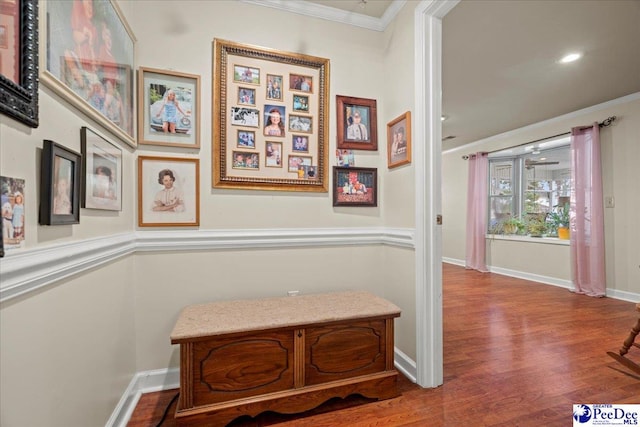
{"x":528,"y":183}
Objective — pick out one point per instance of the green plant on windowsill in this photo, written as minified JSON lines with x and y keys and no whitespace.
{"x":559,"y":221}
{"x":537,"y":227}
{"x":509,"y":226}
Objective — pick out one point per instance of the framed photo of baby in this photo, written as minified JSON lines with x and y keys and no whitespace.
{"x":60,"y":183}
{"x":102,"y":172}
{"x":168,"y":191}
{"x":168,"y":108}
{"x":399,"y":141}
{"x":357,"y":123}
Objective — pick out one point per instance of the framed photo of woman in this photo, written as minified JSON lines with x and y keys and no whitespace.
{"x":60,"y":183}
{"x":168,"y":191}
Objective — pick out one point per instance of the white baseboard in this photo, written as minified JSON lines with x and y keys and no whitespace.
{"x":167,"y":379}
{"x":566,"y":284}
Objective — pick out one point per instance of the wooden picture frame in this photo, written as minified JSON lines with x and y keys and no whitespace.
{"x":230,"y":64}
{"x":357,"y":123}
{"x":168,"y":191}
{"x":355,"y":186}
{"x":93,"y":71}
{"x":182,"y":127}
{"x":60,"y":184}
{"x":102,"y":172}
{"x":399,"y":141}
{"x":19,"y":86}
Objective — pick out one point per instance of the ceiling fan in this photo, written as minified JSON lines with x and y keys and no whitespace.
{"x":530,"y":163}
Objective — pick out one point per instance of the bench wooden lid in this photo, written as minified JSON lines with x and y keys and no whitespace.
{"x":230,"y":317}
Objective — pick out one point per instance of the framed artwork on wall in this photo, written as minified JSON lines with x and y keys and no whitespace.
{"x":357,"y":123}
{"x":399,"y":141}
{"x":102,"y":172}
{"x":355,"y":186}
{"x":13,"y":212}
{"x":168,"y":191}
{"x":285,"y":83}
{"x":87,"y":58}
{"x":60,"y":184}
{"x":19,"y":61}
{"x":169,"y":108}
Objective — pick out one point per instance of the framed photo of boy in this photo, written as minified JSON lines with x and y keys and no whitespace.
{"x":168,"y":191}
{"x":355,"y":186}
{"x":168,"y":108}
{"x":102,"y":171}
{"x":399,"y":141}
{"x":60,"y":183}
{"x":87,"y":57}
{"x":357,"y":123}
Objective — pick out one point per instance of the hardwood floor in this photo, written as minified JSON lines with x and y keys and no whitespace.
{"x":516,"y":353}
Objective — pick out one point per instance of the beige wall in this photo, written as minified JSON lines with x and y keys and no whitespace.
{"x":621,"y":175}
{"x":118,"y":317}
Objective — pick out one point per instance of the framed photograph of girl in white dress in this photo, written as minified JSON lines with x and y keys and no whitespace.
{"x":168,"y":191}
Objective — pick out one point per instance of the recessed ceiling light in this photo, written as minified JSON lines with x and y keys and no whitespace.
{"x":571,"y":57}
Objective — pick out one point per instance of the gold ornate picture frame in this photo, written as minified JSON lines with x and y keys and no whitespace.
{"x":279,"y":108}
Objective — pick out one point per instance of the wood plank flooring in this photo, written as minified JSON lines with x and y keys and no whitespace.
{"x":516,"y":353}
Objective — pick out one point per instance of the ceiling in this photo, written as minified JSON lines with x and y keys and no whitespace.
{"x":500,"y":66}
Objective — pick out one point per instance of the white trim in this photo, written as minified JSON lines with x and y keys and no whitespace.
{"x":141,"y":383}
{"x":167,"y":379}
{"x":333,"y":14}
{"x":427,"y":162}
{"x":24,"y":271}
{"x":575,"y":114}
{"x":529,"y":239}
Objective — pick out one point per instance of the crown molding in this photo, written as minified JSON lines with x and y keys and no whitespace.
{"x":332,"y":14}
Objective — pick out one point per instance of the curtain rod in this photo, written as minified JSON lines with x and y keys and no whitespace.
{"x":602,"y":124}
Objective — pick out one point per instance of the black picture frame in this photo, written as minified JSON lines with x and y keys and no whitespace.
{"x":59,"y":200}
{"x":20,"y":101}
{"x":358,"y":195}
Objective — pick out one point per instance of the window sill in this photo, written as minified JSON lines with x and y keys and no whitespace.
{"x":529,"y":239}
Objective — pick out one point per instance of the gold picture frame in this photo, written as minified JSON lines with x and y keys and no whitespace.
{"x":182,"y":127}
{"x":399,"y":141}
{"x":230,"y":64}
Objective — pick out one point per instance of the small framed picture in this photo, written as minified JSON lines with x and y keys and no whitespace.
{"x":399,"y":141}
{"x":300,"y":123}
{"x":274,"y":87}
{"x":357,"y":123}
{"x":274,"y":119}
{"x":168,"y":191}
{"x":297,"y":162}
{"x":168,"y":108}
{"x":243,"y":74}
{"x":246,"y":96}
{"x":345,"y":158}
{"x":60,"y":183}
{"x":310,"y":172}
{"x":273,"y":154}
{"x":355,"y":186}
{"x":300,"y":143}
{"x":301,"y":83}
{"x":13,"y":212}
{"x":102,"y":171}
{"x":301,"y":103}
{"x":246,"y":139}
{"x":246,"y":160}
{"x":241,"y":116}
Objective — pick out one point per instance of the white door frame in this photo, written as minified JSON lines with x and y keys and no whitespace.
{"x":427,"y":157}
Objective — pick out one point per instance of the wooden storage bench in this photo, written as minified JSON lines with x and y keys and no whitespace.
{"x":285,"y":354}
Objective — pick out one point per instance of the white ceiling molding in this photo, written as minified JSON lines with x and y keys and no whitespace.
{"x":333,"y":14}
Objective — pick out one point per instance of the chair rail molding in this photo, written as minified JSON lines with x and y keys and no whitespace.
{"x":26,"y":270}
